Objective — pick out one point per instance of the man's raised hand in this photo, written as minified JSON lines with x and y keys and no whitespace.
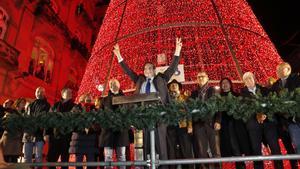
{"x":178,"y":46}
{"x":117,"y":52}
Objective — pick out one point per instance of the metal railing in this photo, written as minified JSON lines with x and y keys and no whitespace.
{"x":152,"y":162}
{"x":167,"y":162}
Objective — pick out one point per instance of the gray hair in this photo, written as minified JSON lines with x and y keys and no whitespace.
{"x":248,"y":75}
{"x":114,"y":80}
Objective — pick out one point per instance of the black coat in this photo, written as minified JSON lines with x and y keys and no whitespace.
{"x":108,"y":137}
{"x":251,"y":123}
{"x":225,"y":118}
{"x":259,"y":90}
{"x":36,"y":108}
{"x":234,"y":137}
{"x":63,"y":106}
{"x":82,"y":142}
{"x":60,"y":106}
{"x":292,"y":82}
{"x":209,"y":93}
{"x":160,"y":81}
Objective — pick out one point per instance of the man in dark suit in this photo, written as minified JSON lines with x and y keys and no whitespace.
{"x":259,"y":127}
{"x":36,"y":140}
{"x":59,"y":143}
{"x":289,"y":129}
{"x":206,"y":133}
{"x":148,"y":83}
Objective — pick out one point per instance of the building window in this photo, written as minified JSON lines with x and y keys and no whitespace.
{"x":41,"y":62}
{"x":3,"y":22}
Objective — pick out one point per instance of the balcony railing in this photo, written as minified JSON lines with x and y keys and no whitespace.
{"x":44,"y":9}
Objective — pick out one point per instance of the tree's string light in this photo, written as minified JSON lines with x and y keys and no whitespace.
{"x":149,"y":28}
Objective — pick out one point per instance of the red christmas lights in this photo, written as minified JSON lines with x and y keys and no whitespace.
{"x":222,"y":37}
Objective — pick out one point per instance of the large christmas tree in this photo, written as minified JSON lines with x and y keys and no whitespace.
{"x":222,"y":37}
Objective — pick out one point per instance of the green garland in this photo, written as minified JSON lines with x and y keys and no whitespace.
{"x":286,"y":104}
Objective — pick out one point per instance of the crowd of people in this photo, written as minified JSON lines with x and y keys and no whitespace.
{"x":219,"y":136}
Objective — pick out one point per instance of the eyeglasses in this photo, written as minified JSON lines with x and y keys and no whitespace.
{"x":201,"y":77}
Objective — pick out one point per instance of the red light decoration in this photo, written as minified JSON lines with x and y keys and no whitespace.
{"x":222,"y":37}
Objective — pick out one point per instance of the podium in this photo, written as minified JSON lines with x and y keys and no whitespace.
{"x":136,"y":98}
{"x":139,"y":142}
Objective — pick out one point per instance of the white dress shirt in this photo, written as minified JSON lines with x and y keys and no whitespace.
{"x":252,"y":90}
{"x":152,"y":87}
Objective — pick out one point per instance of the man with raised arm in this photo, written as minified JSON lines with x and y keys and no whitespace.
{"x":148,"y":83}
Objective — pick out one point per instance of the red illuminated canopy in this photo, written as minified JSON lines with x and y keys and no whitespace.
{"x":222,"y":37}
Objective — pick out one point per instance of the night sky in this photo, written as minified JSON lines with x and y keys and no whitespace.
{"x":281,"y":20}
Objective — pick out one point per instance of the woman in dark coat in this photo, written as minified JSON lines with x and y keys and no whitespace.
{"x":234,"y":139}
{"x":110,"y":139}
{"x":84,"y":142}
{"x":59,"y":143}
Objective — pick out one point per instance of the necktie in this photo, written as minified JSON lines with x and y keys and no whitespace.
{"x":283,"y":82}
{"x":148,"y":85}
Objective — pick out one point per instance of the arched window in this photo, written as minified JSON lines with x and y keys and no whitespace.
{"x":41,"y":62}
{"x":3,"y":22}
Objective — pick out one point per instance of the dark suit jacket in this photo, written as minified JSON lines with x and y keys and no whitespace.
{"x":292,"y":82}
{"x":224,"y":118}
{"x":259,"y":90}
{"x":252,"y":122}
{"x":160,"y":81}
{"x":209,"y":93}
{"x":62,"y":107}
{"x":108,"y":137}
{"x":36,"y":108}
